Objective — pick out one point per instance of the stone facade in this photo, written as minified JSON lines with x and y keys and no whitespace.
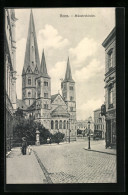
{"x":10,"y":73}
{"x":99,"y":124}
{"x":56,"y":112}
{"x":110,"y":87}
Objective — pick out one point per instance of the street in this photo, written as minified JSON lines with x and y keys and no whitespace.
{"x":62,"y":163}
{"x":70,"y":163}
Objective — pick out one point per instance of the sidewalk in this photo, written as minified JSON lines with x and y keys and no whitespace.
{"x":23,"y":169}
{"x":100,"y":147}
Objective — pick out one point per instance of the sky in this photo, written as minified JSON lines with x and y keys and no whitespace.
{"x":80,"y":39}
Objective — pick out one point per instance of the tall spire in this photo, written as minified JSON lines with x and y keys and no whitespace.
{"x":43,"y":68}
{"x":68,"y":74}
{"x":31,"y":54}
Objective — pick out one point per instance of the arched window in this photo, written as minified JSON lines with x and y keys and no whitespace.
{"x":29,"y":81}
{"x":52,"y":124}
{"x":56,"y":124}
{"x":64,"y":126}
{"x":60,"y":125}
{"x":67,"y":124}
{"x":29,"y":94}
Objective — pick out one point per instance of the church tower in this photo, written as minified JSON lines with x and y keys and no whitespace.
{"x":31,"y":65}
{"x":69,"y":95}
{"x":43,"y":95}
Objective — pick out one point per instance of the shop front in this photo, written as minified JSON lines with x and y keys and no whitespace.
{"x":111,"y":129}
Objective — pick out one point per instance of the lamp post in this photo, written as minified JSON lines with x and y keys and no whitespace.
{"x":37,"y":137}
{"x":58,"y":135}
{"x":69,"y":130}
{"x":89,"y":135}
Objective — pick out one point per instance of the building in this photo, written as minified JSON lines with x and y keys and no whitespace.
{"x":10,"y":73}
{"x":83,"y":125}
{"x":56,"y":112}
{"x":110,"y":88}
{"x":99,"y":124}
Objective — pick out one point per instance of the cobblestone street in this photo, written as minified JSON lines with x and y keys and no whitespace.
{"x":70,"y":163}
{"x":62,"y":163}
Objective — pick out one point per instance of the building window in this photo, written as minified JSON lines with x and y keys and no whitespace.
{"x":60,"y":124}
{"x":45,"y":106}
{"x":71,"y":87}
{"x":29,"y":94}
{"x":64,"y":87}
{"x":29,"y":81}
{"x":38,"y":94}
{"x":45,"y":95}
{"x":110,"y":98}
{"x":110,"y":55}
{"x":56,"y":124}
{"x":35,"y":81}
{"x":52,"y":124}
{"x":71,"y":98}
{"x":67,"y":124}
{"x":45,"y":83}
{"x":65,"y":95}
{"x":39,"y":83}
{"x":71,"y":109}
{"x":64,"y":126}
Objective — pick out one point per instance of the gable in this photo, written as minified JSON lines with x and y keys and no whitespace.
{"x":60,"y":111}
{"x":58,"y":101}
{"x":29,"y":70}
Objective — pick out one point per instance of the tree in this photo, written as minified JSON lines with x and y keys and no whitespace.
{"x":27,"y":128}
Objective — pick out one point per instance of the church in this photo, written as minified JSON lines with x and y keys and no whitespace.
{"x":56,"y":112}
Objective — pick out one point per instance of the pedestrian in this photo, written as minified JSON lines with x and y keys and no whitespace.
{"x":50,"y":140}
{"x":24,"y":146}
{"x":29,"y":149}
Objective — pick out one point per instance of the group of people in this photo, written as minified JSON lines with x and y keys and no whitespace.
{"x":25,"y":148}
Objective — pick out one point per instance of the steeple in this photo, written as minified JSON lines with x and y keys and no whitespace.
{"x":31,"y":54}
{"x":43,"y":68}
{"x":68,"y":74}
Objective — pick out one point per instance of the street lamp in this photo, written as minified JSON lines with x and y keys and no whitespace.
{"x":69,"y":130}
{"x":58,"y":136}
{"x":89,"y":135}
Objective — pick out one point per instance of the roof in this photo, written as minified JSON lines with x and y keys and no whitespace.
{"x":32,"y":107}
{"x":31,"y":54}
{"x":43,"y":68}
{"x":20,"y":104}
{"x":111,"y":35}
{"x":60,"y":111}
{"x":53,"y":97}
{"x":68,"y":74}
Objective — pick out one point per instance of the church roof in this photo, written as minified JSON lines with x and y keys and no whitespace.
{"x":20,"y":104}
{"x":53,"y":97}
{"x":43,"y":68}
{"x":32,"y":107}
{"x":60,"y":111}
{"x":31,"y":59}
{"x":68,"y":74}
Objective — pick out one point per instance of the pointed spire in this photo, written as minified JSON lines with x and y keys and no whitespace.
{"x":68,"y":74}
{"x":43,"y":68}
{"x":31,"y":53}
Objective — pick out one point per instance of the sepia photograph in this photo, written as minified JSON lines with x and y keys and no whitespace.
{"x":60,"y":93}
